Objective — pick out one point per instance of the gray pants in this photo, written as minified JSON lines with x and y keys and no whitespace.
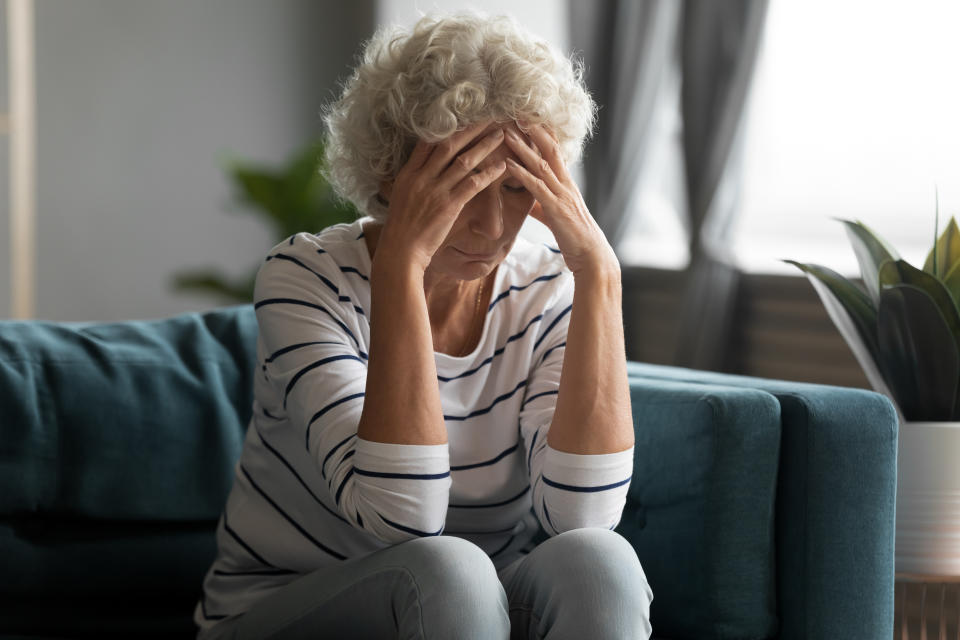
{"x":581,"y":584}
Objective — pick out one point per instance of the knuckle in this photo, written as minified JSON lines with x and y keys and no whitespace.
{"x":463,"y":162}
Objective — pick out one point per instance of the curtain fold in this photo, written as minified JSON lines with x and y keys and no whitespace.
{"x":720,"y":41}
{"x":628,"y":49}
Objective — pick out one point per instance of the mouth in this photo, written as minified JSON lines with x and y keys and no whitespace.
{"x":476,"y":256}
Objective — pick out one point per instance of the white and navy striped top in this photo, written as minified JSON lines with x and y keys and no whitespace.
{"x":308,"y":492}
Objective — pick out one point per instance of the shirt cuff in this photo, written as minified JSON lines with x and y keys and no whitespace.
{"x":402,"y":460}
{"x":587,"y":471}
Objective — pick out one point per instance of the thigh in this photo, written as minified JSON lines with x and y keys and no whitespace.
{"x":417,"y":589}
{"x":586,"y":583}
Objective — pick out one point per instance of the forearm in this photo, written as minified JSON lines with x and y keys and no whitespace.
{"x":592,"y":414}
{"x":402,"y":399}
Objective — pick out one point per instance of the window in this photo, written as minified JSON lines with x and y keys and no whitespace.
{"x":855,"y":113}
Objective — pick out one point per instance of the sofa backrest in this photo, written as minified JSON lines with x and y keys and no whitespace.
{"x":117,"y":448}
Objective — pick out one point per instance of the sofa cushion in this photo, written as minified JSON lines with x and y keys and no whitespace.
{"x":700,"y":510}
{"x":132,"y":420}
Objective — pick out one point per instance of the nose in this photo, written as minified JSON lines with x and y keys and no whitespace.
{"x":486,"y":213}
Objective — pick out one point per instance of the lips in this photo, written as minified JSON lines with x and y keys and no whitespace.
{"x":478,"y":255}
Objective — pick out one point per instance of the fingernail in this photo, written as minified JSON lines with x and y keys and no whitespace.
{"x":497,"y":133}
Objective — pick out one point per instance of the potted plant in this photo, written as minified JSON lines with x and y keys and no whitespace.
{"x":293,"y":198}
{"x":903,"y":327}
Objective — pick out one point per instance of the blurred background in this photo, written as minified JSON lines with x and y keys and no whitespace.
{"x":731,"y":135}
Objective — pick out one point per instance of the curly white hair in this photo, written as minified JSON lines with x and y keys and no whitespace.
{"x":446,"y":73}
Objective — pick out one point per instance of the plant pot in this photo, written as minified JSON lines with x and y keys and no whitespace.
{"x":928,"y":471}
{"x":928,"y":499}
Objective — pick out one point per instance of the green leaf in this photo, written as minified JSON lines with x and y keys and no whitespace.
{"x":919,"y":357}
{"x":213,"y":281}
{"x":871,"y":252}
{"x":293,"y":198}
{"x":896,"y":272}
{"x":946,"y":251}
{"x":952,"y":282}
{"x":854,"y":301}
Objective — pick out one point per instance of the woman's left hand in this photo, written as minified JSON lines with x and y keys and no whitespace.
{"x":559,"y":204}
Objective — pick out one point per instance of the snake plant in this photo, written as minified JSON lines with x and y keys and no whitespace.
{"x":904,"y":324}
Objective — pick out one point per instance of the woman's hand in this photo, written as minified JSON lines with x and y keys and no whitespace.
{"x":431,"y":190}
{"x":559,"y":203}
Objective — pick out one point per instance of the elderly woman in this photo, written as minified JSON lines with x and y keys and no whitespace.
{"x":442,"y":441}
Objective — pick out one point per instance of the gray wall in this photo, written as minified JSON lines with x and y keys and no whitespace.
{"x":139,"y":104}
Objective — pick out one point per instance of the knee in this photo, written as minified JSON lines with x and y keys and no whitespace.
{"x":456,"y":588}
{"x":450,"y":561}
{"x":603,"y":563}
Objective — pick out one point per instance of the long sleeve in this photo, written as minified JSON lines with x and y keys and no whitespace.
{"x":570,"y":491}
{"x":309,"y":330}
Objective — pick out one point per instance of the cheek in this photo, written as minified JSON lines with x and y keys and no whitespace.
{"x":520,"y":206}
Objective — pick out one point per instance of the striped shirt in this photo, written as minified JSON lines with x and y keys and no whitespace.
{"x":308,"y":492}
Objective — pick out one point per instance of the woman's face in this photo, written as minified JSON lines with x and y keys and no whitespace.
{"x":484,"y":233}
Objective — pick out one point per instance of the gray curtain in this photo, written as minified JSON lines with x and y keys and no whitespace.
{"x":627,"y":46}
{"x":718,"y":51}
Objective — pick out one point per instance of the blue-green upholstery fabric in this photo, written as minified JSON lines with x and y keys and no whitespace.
{"x":835,"y":504}
{"x":117,"y":447}
{"x":700,"y":508}
{"x":144,"y":420}
{"x":757,"y":507}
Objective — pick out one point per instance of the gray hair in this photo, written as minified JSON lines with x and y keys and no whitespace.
{"x":447,"y":73}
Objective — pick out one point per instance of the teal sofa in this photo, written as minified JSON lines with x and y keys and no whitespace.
{"x":759,"y":509}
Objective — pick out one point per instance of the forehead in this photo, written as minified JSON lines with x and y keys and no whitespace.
{"x":503,"y":151}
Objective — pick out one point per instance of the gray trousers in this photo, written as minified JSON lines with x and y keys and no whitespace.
{"x":585,"y":583}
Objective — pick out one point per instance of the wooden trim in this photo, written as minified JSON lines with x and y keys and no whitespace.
{"x":780,"y":329}
{"x":23,"y":152}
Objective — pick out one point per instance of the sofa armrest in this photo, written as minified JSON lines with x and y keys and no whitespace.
{"x":700,"y":510}
{"x":835,"y":504}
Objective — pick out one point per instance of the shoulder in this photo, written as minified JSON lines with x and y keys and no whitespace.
{"x":311,"y":262}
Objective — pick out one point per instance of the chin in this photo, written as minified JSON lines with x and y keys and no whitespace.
{"x":464,"y":269}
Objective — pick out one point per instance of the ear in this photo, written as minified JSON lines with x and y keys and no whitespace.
{"x":386,"y":188}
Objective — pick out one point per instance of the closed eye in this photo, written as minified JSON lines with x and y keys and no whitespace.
{"x":512,"y":189}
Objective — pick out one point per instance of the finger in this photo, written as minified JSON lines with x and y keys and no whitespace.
{"x":421,"y":151}
{"x":445,"y":150}
{"x":549,"y":147}
{"x":533,"y":162}
{"x":466,"y":162}
{"x":476,"y":182}
{"x":535,"y":185}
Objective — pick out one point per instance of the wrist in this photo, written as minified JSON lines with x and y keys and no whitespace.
{"x":395,"y":272}
{"x":601,"y":265}
{"x":394,"y":252}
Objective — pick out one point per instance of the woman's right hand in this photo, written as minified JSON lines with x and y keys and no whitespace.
{"x":430,"y":191}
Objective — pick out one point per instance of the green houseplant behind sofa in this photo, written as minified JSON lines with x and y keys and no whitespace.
{"x":759,"y":509}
